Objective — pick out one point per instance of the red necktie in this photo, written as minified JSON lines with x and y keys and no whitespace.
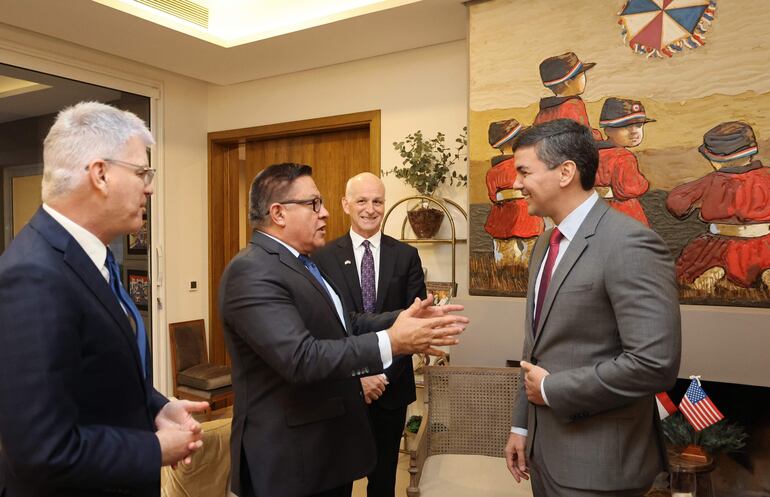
{"x":545,"y":278}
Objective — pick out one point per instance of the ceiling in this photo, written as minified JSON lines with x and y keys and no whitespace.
{"x":401,"y":27}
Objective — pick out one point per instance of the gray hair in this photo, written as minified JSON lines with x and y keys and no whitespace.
{"x":83,"y":133}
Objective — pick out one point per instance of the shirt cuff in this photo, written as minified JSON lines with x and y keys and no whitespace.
{"x":542,"y":391}
{"x":386,"y":353}
{"x":519,"y":431}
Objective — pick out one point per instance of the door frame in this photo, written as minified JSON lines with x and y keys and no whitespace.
{"x":223,"y":184}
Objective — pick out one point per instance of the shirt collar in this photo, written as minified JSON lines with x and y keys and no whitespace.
{"x":294,"y":251}
{"x":572,"y":222}
{"x":93,"y":247}
{"x":357,"y":239}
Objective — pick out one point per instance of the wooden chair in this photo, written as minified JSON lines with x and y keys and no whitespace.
{"x":194,"y":377}
{"x":459,"y":446}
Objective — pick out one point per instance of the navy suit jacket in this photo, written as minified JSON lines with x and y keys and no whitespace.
{"x":401,"y":280}
{"x":76,"y":415}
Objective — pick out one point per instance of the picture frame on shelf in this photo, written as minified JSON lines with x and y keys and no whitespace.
{"x":442,"y":291}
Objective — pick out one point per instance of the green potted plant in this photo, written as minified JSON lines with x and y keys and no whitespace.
{"x":428,"y":163}
{"x":412,"y":427}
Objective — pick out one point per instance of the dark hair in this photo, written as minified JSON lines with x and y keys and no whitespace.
{"x":562,"y":140}
{"x":270,"y":186}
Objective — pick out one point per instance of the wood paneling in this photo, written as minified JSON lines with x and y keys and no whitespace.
{"x":335,"y":156}
{"x":336,"y":147}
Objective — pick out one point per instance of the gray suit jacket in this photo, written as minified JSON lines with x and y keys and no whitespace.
{"x":610,"y":337}
{"x":300,"y":425}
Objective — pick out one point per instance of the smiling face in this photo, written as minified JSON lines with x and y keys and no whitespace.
{"x":539,"y":185}
{"x":364,"y":202}
{"x":303,"y":228}
{"x":627,"y":136}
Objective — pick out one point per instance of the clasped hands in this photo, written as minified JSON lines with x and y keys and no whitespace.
{"x":533,"y":379}
{"x":424,"y":326}
{"x":178,"y":433}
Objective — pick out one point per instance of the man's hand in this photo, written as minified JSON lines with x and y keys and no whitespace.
{"x":178,"y":414}
{"x":175,"y":417}
{"x":374,"y":387}
{"x":533,"y":379}
{"x":178,"y":444}
{"x":414,"y":334}
{"x":515,"y":458}
{"x":428,"y":310}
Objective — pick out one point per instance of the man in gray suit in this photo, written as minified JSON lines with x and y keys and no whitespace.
{"x":602,"y":330}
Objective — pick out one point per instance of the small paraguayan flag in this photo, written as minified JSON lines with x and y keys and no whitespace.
{"x":697,"y":407}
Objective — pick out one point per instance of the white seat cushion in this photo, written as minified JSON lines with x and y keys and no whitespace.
{"x":455,"y":475}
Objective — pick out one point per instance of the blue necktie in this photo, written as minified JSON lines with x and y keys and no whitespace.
{"x":128,"y":304}
{"x":310,"y":265}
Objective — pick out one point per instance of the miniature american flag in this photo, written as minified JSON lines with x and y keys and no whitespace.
{"x":698,"y":408}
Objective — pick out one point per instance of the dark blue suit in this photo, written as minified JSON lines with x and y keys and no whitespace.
{"x":76,"y":415}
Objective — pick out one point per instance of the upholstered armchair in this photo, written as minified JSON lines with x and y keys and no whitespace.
{"x":194,"y":377}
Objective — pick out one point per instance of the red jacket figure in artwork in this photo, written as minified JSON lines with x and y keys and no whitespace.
{"x":735,"y":201}
{"x":618,"y":178}
{"x":565,"y":76}
{"x":509,"y":217}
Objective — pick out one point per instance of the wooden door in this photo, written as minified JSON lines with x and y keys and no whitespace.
{"x":336,"y":147}
{"x":334,"y":156}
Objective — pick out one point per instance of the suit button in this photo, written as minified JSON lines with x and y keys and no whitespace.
{"x":533,"y":361}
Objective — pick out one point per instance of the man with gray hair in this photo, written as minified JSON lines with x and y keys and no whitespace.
{"x":78,"y":412}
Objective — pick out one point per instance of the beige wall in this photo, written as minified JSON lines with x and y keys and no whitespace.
{"x":418,"y":89}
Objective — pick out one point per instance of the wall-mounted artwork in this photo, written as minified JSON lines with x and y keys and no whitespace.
{"x":138,"y":285}
{"x":681,"y":139}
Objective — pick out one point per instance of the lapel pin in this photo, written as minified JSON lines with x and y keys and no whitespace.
{"x":347,"y":261}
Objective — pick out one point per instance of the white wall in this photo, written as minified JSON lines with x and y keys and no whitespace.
{"x":423,"y":89}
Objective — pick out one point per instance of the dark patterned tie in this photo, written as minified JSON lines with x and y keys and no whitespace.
{"x":545,"y":278}
{"x":310,"y":265}
{"x":129,"y":307}
{"x":368,"y":292}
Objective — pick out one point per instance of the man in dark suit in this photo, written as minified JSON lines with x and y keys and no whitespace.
{"x":602,"y":330}
{"x":300,"y":424}
{"x":377,"y":273}
{"x":78,"y":413}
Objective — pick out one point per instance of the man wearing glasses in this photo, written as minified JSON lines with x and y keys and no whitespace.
{"x":300,"y":423}
{"x":78,"y":412}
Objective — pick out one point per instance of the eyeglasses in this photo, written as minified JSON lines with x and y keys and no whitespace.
{"x":315,"y":202}
{"x":146,"y":173}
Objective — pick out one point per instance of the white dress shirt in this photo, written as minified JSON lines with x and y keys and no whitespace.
{"x":383,"y":340}
{"x":358,"y":252}
{"x":92,"y":246}
{"x":568,"y":228}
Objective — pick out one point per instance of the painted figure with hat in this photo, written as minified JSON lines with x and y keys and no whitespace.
{"x":565,"y":76}
{"x":514,"y":230}
{"x":734,"y":201}
{"x":618,"y":178}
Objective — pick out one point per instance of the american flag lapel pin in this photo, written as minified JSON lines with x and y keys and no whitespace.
{"x":347,"y":261}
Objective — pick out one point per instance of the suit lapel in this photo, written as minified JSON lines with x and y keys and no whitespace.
{"x":82,"y":265}
{"x":289,"y":260}
{"x":538,"y":254}
{"x":350,"y":271}
{"x":387,"y":266}
{"x":570,"y":257}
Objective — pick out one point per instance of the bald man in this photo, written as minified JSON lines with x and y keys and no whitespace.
{"x":377,"y":273}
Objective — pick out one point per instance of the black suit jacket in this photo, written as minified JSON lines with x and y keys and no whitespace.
{"x":76,"y":415}
{"x":400,"y":281}
{"x":299,"y":417}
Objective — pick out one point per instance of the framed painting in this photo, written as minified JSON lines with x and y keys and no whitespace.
{"x":138,"y":286}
